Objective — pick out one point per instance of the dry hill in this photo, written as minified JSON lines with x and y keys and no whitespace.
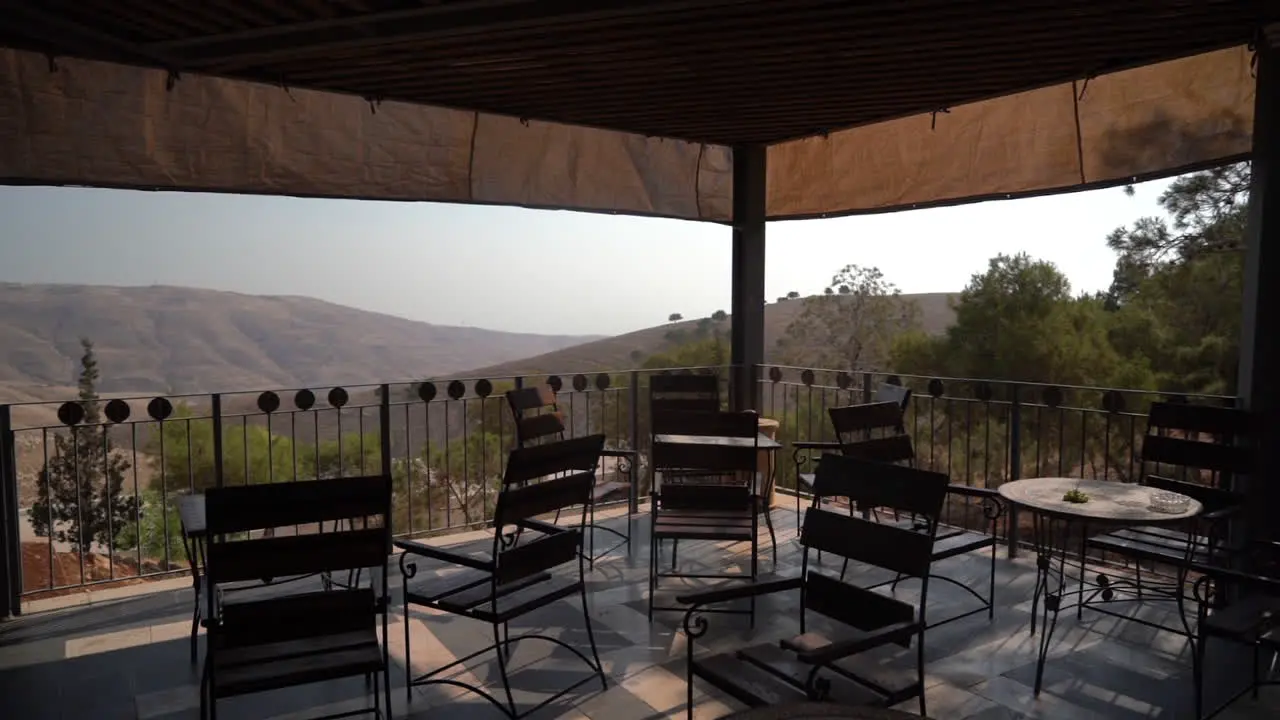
{"x":154,"y":339}
{"x":615,"y":353}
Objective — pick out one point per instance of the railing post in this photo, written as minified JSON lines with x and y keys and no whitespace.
{"x":633,"y":392}
{"x":1015,"y":466}
{"x":10,"y":541}
{"x":215,"y":410}
{"x":384,"y":427}
{"x":867,"y":393}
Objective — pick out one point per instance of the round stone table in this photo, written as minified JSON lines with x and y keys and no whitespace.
{"x":1110,"y":503}
{"x":807,"y":710}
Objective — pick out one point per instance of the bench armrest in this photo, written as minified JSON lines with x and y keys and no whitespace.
{"x":543,"y":527}
{"x":413,"y":547}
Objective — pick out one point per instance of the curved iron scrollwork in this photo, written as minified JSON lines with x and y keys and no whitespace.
{"x":695,"y":625}
{"x":408,"y":568}
{"x":817,"y":688}
{"x":624,"y":464}
{"x":993,"y":508}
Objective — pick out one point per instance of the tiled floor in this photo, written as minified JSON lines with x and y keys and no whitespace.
{"x":128,"y":657}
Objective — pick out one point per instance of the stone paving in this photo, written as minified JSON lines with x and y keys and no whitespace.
{"x":126,"y":656}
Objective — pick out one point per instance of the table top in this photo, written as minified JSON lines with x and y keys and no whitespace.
{"x":805,"y":710}
{"x":761,"y":441}
{"x":1108,"y":501}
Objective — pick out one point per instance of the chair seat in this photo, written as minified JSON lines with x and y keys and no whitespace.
{"x":253,"y":668}
{"x":950,"y":544}
{"x":764,"y":675}
{"x":704,"y":524}
{"x":605,"y":491}
{"x":1152,"y":543}
{"x":1242,"y":619}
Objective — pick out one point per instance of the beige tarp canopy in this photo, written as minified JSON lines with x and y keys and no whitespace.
{"x":96,"y":123}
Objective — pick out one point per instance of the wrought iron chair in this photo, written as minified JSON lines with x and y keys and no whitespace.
{"x":1242,"y":608}
{"x":1206,"y":447}
{"x":872,"y":420}
{"x":722,"y":507}
{"x":515,"y":579}
{"x":949,"y":541}
{"x":1203,"y":447}
{"x":304,"y":636}
{"x":538,"y":420}
{"x":808,"y":666}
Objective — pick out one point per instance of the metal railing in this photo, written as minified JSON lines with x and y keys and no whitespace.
{"x":95,"y":484}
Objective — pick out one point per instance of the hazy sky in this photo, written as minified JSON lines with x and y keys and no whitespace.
{"x":522,"y":270}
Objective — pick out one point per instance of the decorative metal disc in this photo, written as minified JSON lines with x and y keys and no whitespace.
{"x":71,"y":413}
{"x":484,"y":388}
{"x":1052,"y":397}
{"x":603,"y":381}
{"x":1113,"y":401}
{"x":806,"y":377}
{"x":456,"y":389}
{"x":936,"y":387}
{"x":775,"y":374}
{"x":338,"y":397}
{"x":304,"y":399}
{"x":268,"y":402}
{"x":894,"y":380}
{"x":160,"y":408}
{"x":427,"y":391}
{"x":579,"y":382}
{"x":117,"y":411}
{"x":982,"y":391}
{"x":844,"y":380}
{"x":555,"y":382}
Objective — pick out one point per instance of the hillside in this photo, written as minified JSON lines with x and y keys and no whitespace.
{"x":615,"y":353}
{"x":153,"y":339}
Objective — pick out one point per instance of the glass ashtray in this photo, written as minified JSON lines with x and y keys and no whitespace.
{"x":1169,"y":502}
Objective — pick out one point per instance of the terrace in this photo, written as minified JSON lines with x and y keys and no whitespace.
{"x":707,"y":110}
{"x":118,"y":618}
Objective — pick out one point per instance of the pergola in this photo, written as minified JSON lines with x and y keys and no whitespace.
{"x":727,"y":111}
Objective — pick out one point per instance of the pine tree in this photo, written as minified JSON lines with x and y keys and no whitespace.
{"x":80,"y":493}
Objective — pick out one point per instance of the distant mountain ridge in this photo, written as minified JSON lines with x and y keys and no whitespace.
{"x":175,"y":339}
{"x":615,"y":353}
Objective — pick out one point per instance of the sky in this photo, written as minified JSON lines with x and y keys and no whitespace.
{"x":555,"y":272}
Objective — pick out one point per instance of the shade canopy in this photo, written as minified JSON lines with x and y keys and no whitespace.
{"x":629,"y":107}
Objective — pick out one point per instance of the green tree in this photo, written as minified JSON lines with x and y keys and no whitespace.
{"x":81,"y":499}
{"x":1176,"y":289}
{"x":675,"y":317}
{"x":719,"y":316}
{"x":852,"y":325}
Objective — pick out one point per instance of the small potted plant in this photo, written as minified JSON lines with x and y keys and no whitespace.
{"x":1075,"y":495}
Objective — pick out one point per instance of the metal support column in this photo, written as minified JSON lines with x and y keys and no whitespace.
{"x":1260,"y":333}
{"x":747,"y":328}
{"x":10,"y":545}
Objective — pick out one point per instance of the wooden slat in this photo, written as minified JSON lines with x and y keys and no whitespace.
{"x":535,"y":427}
{"x":1196,"y":454}
{"x":312,"y":668}
{"x":531,"y":398}
{"x":266,"y":651}
{"x":855,"y":419}
{"x":293,"y":617}
{"x":696,"y":496}
{"x":745,"y":682}
{"x":296,"y":555}
{"x":884,"y":546}
{"x":539,"y":461}
{"x":959,"y":543}
{"x":712,"y":458}
{"x":856,"y":607}
{"x":872,"y":484}
{"x":891,"y":449}
{"x":693,"y":384}
{"x":253,"y":507}
{"x":522,"y":503}
{"x":713,"y":424}
{"x":661,"y":411}
{"x":529,"y":559}
{"x":1184,"y":417}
